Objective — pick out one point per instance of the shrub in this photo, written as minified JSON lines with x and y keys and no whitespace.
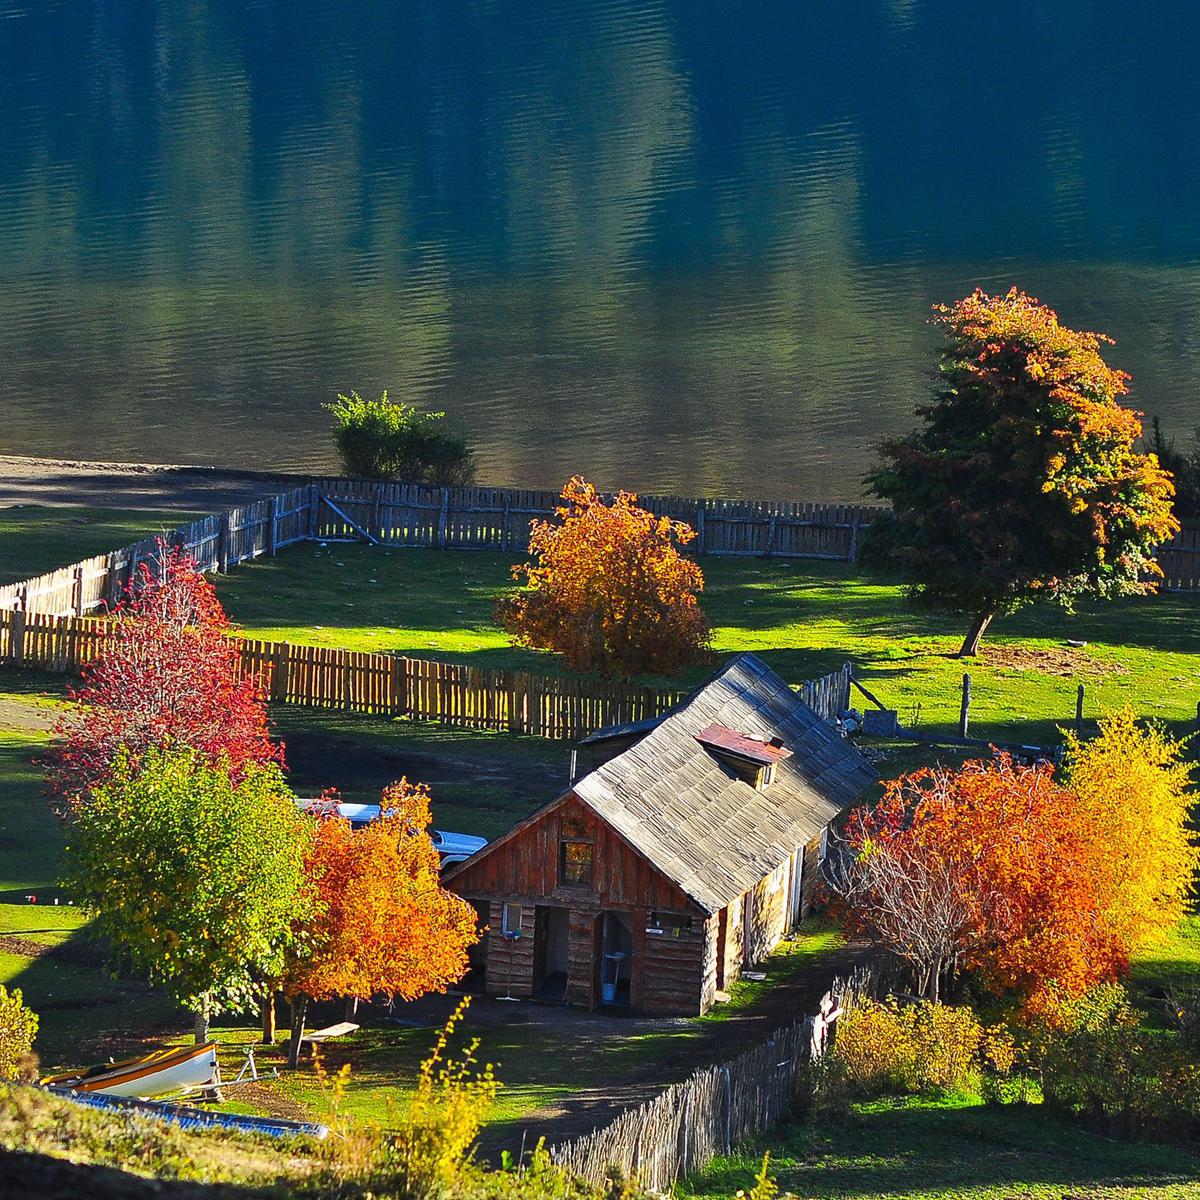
{"x":888,"y":1047}
{"x":18,"y":1028}
{"x":383,"y":439}
{"x":1098,"y":1064}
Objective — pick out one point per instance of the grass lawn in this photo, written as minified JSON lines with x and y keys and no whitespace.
{"x":804,"y":618}
{"x":954,"y":1148}
{"x":34,"y":539}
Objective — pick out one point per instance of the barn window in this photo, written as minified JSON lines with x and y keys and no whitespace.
{"x":510,"y":920}
{"x":574,"y":862}
{"x":667,"y":924}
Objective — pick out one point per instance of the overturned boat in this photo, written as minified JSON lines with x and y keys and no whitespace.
{"x":159,"y":1073}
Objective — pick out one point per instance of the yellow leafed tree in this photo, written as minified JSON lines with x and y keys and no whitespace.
{"x":1133,"y":787}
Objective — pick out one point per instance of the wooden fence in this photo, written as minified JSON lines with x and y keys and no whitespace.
{"x":1180,"y":561}
{"x":216,"y":543}
{"x":546,"y":706}
{"x":710,"y":1113}
{"x":477,"y":518}
{"x":470,"y":519}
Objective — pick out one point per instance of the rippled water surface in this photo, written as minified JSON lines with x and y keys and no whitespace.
{"x":682,"y":246}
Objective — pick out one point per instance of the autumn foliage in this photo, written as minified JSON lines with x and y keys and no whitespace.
{"x":382,"y":923}
{"x":1024,"y":482}
{"x":1033,"y":885}
{"x":610,"y":590}
{"x":168,"y":675}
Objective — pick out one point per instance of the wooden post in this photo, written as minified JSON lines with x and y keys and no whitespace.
{"x":852,"y":552}
{"x":273,"y":527}
{"x":279,"y":672}
{"x":700,"y":529}
{"x":1079,"y":712}
{"x":443,"y":518}
{"x":16,"y":641}
{"x":314,"y":501}
{"x":224,"y":531}
{"x":347,"y":683}
{"x":77,"y":591}
{"x":964,"y":715}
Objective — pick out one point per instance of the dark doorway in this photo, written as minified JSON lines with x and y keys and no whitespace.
{"x":551,"y":942}
{"x":616,"y":958}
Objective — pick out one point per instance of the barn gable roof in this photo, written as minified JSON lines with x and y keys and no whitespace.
{"x":713,"y":834}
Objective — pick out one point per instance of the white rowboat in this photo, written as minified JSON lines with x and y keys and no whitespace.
{"x":159,"y":1073}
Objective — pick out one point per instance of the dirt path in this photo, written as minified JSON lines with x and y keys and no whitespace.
{"x":62,"y":482}
{"x":715,"y":1042}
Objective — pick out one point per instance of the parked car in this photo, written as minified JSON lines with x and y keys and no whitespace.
{"x":451,"y":847}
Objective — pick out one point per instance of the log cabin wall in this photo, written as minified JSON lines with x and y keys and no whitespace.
{"x":811,"y":875}
{"x":675,"y":969}
{"x":509,"y":963}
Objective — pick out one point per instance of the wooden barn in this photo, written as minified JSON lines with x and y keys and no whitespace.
{"x":685,"y":853}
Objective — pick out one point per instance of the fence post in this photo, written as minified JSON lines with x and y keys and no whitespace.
{"x":224,"y":530}
{"x":279,"y":671}
{"x":273,"y":527}
{"x":1079,"y":712}
{"x":852,"y":552}
{"x":964,"y":715}
{"x":77,"y":590}
{"x":314,"y":501}
{"x":443,"y":518}
{"x":700,"y":547}
{"x":16,"y":641}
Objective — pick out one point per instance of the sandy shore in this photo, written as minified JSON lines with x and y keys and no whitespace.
{"x":62,"y":482}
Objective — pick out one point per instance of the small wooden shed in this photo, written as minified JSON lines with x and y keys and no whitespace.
{"x":685,"y":854}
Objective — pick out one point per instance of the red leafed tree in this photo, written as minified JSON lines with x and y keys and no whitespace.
{"x":996,"y":869}
{"x":383,"y":924}
{"x":169,"y":673}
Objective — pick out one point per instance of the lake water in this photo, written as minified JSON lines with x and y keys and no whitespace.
{"x":683,"y":246}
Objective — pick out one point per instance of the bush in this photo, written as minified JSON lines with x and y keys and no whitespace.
{"x":887,"y":1048}
{"x":1097,"y":1063}
{"x":18,"y":1028}
{"x":382,"y":439}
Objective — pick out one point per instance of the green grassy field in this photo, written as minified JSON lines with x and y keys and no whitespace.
{"x":955,"y":1149}
{"x":34,"y":539}
{"x":804,"y":618}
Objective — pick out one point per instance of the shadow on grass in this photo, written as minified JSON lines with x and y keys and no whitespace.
{"x":921,"y":1148}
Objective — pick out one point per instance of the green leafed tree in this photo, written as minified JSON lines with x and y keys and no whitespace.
{"x":192,"y":879}
{"x":1024,"y":481}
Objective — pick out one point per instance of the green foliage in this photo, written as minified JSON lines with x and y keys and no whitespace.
{"x":18,"y":1028}
{"x":1097,"y":1062}
{"x":383,"y":439}
{"x":1024,"y":482}
{"x":1184,"y":466}
{"x":193,"y":880}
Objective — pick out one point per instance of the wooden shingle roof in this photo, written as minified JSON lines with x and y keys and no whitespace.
{"x":710,"y":832}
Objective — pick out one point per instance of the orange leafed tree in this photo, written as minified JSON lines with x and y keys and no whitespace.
{"x":1022,"y":903}
{"x":610,"y":590}
{"x":383,"y":923}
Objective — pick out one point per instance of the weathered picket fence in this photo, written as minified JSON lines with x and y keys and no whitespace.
{"x":478,"y":518}
{"x":216,"y":542}
{"x":472,"y":518}
{"x":549,"y":706}
{"x":710,"y":1113}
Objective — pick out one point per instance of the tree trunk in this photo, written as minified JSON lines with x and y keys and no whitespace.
{"x":970,"y":646}
{"x":267,"y":1012}
{"x":351,"y":1007}
{"x":202,"y":1012}
{"x":299,"y":1008}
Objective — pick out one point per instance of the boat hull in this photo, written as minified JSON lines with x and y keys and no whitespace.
{"x":160,"y":1073}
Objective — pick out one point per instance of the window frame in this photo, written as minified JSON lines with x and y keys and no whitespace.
{"x":563,"y":844}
